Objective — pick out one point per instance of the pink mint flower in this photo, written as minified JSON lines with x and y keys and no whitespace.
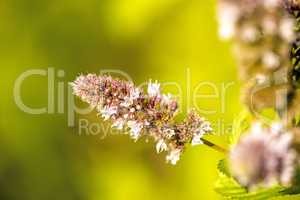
{"x":150,"y":114}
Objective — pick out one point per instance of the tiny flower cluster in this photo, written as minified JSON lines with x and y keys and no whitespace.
{"x":149,"y":114}
{"x":264,"y":157}
{"x":262,"y":31}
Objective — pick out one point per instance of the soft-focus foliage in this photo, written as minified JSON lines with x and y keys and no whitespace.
{"x":42,"y":158}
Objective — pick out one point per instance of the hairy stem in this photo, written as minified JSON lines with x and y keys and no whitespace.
{"x":214,"y":146}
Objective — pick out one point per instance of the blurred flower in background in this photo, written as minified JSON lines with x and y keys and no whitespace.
{"x":264,"y":156}
{"x":263,"y":32}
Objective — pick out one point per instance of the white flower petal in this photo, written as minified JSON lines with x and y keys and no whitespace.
{"x":135,"y":129}
{"x":161,"y":146}
{"x":169,"y":132}
{"x":153,"y":89}
{"x":205,"y":126}
{"x":107,"y":112}
{"x":118,"y":124}
{"x":197,"y":140}
{"x":166,"y":99}
{"x":174,"y":156}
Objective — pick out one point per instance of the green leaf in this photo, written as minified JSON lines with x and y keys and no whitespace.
{"x":287,"y":197}
{"x":228,"y":187}
{"x":223,"y":167}
{"x":231,"y":189}
{"x":295,"y":188}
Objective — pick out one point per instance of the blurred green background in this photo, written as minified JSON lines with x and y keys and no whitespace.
{"x":41,"y":157}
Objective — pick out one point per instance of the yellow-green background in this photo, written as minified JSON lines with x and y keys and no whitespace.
{"x":42,"y":158}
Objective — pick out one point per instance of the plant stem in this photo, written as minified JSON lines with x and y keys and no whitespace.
{"x":214,"y":146}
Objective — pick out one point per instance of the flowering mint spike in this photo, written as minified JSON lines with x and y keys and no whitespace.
{"x":264,"y":157}
{"x":148,"y":114}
